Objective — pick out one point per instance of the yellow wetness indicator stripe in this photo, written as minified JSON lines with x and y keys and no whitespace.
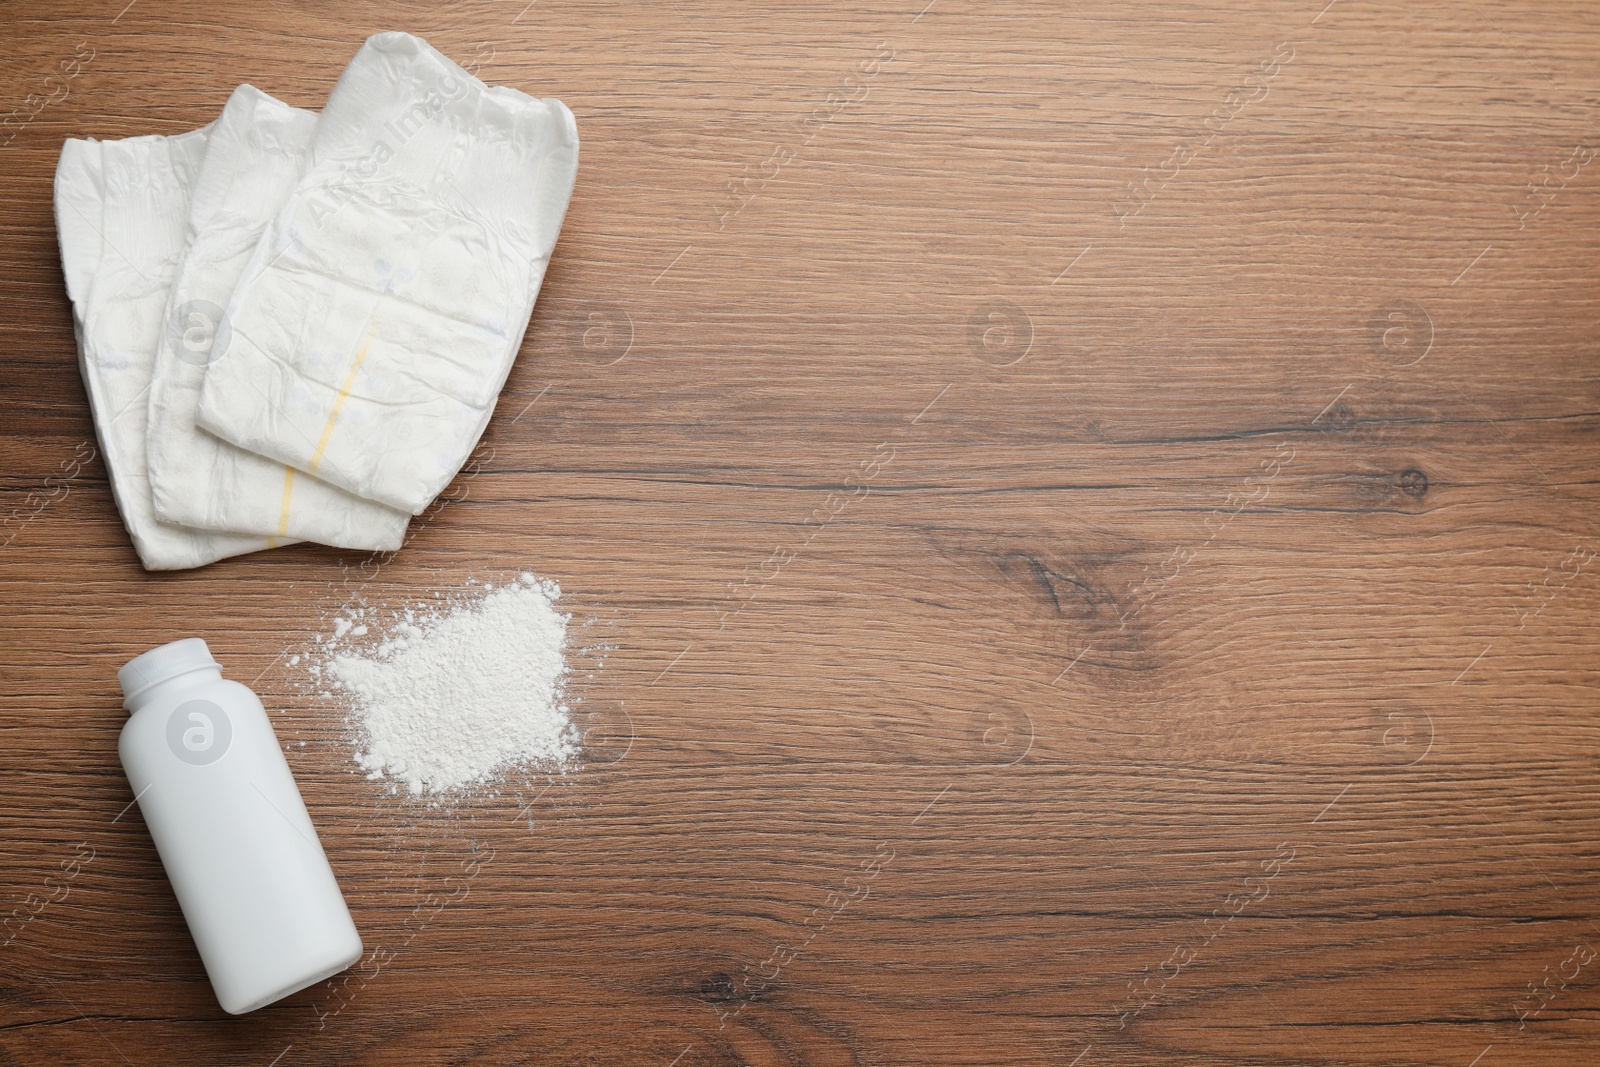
{"x":338,"y":405}
{"x":288,"y":494}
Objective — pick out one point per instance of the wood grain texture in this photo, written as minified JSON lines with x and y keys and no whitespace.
{"x":1083,"y":536}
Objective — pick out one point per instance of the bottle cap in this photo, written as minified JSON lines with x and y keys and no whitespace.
{"x":160,"y":664}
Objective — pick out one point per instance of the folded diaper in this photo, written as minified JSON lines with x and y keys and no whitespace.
{"x":375,"y":322}
{"x":256,"y":152}
{"x":120,"y":209}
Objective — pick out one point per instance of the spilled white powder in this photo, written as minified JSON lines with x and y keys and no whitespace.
{"x":456,"y":696}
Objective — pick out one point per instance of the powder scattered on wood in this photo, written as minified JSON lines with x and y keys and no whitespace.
{"x":457,"y":696}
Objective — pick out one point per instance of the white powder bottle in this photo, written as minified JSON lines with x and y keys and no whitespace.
{"x":213,"y":786}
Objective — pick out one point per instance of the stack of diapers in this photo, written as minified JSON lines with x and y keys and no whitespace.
{"x":295,"y":327}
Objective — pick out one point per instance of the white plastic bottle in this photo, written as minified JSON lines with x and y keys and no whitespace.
{"x":255,"y":887}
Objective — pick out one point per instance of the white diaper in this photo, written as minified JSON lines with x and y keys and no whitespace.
{"x":256,"y":152}
{"x":378,"y":317}
{"x":120,"y":210}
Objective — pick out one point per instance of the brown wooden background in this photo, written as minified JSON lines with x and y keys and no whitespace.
{"x":1200,"y":670}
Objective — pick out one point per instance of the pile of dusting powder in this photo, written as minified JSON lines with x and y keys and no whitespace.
{"x":450,"y":699}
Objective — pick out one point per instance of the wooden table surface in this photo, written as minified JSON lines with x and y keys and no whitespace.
{"x":1080,"y":519}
